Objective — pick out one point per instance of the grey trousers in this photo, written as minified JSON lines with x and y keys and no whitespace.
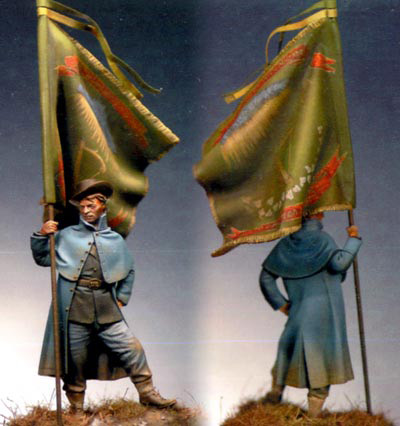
{"x":120,"y":342}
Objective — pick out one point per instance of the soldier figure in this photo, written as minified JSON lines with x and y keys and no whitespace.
{"x":313,"y":351}
{"x":95,"y":279}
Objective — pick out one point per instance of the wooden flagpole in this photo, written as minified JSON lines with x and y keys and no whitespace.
{"x":361,"y":324}
{"x":56,"y":322}
{"x":46,"y":134}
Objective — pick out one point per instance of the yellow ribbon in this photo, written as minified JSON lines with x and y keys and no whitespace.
{"x":45,"y":8}
{"x":62,"y":19}
{"x":325,"y":13}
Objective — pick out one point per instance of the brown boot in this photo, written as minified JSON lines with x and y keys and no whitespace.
{"x":76,"y":401}
{"x":148,"y":395}
{"x":274,"y":396}
{"x":315,"y":406}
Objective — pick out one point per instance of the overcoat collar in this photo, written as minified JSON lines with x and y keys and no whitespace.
{"x":101,"y":225}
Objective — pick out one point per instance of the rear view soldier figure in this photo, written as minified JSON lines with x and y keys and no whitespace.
{"x":95,"y":279}
{"x":313,"y":351}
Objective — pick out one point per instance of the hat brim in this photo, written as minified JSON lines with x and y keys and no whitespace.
{"x":99,"y":187}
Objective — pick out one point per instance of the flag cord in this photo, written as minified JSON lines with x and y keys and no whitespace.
{"x":361,"y":324}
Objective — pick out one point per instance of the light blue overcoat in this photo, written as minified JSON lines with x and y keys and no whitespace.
{"x":313,"y":350}
{"x":72,"y":248}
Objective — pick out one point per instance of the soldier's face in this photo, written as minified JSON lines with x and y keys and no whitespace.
{"x":91,"y":209}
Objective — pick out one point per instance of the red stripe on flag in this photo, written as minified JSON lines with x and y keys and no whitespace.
{"x":75,"y":67}
{"x":295,"y":56}
{"x":323,"y":179}
{"x":118,"y":219}
{"x":60,"y":178}
{"x":289,"y":213}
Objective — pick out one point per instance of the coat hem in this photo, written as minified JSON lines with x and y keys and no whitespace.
{"x":320,"y":385}
{"x":49,"y":373}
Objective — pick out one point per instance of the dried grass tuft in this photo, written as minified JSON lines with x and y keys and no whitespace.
{"x":113,"y":412}
{"x":257,"y":413}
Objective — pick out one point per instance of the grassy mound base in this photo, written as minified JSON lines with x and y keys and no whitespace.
{"x":120,"y":412}
{"x":256,"y":413}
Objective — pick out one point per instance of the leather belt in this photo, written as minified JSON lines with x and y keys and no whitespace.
{"x":93,"y":283}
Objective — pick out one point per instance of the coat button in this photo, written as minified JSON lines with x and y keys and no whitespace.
{"x":66,"y":309}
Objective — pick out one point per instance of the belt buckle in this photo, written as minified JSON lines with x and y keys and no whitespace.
{"x":94,"y":284}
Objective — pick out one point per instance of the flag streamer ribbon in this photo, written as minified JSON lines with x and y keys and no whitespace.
{"x":323,"y":4}
{"x":326,"y":13}
{"x":55,"y":11}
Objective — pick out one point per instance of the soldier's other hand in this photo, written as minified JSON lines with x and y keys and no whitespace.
{"x":285,"y":309}
{"x":120,"y":304}
{"x":352,"y":231}
{"x":49,"y":227}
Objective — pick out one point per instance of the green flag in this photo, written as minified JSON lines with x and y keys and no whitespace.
{"x":285,"y":150}
{"x":93,"y":124}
